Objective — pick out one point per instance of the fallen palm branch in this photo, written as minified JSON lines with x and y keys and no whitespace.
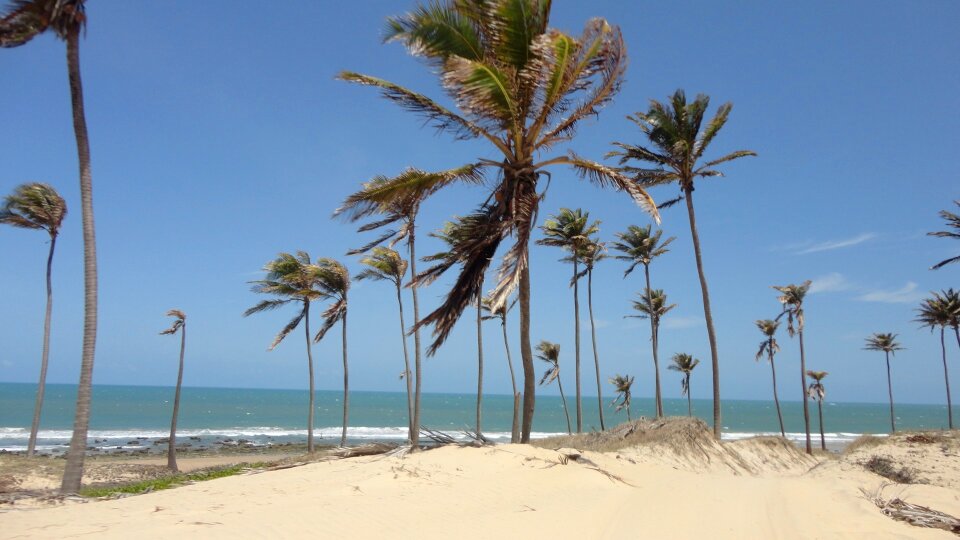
{"x":914,"y":514}
{"x":438,"y":437}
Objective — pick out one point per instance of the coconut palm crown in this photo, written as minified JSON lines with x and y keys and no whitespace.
{"x":25,"y":19}
{"x":684,"y":363}
{"x":652,"y":305}
{"x":34,"y":206}
{"x":940,"y":311}
{"x":953,"y":226}
{"x":623,"y":385}
{"x":816,"y":389}
{"x":640,"y":245}
{"x":883,"y":342}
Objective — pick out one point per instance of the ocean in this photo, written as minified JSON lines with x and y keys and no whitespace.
{"x":129,"y":418}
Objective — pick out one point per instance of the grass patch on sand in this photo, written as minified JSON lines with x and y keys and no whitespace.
{"x":173,"y":480}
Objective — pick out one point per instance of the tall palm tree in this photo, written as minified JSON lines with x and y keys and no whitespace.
{"x":953,"y":222}
{"x":21,"y":22}
{"x":770,"y":347}
{"x":38,"y":206}
{"x":385,"y":264}
{"x":888,"y":344}
{"x":501,"y":314}
{"x":677,"y":156}
{"x":623,"y":384}
{"x":570,"y":230}
{"x":791,"y":298}
{"x":550,"y":353}
{"x":639,"y":245}
{"x":179,"y":324}
{"x":333,"y":283}
{"x":653,"y":305}
{"x":817,"y":393}
{"x":292,"y":279}
{"x":593,"y":252}
{"x":524,"y":88}
{"x":943,"y":310}
{"x":684,"y":363}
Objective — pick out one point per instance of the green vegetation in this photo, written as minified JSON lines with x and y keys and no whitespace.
{"x":173,"y":480}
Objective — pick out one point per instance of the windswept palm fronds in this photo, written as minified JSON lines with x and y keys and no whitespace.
{"x":818,"y":393}
{"x":623,"y":384}
{"x":684,"y":363}
{"x":770,"y":347}
{"x":179,"y":325}
{"x":888,"y":344}
{"x":953,"y":222}
{"x":550,"y":353}
{"x":791,"y":299}
{"x":942,"y":310}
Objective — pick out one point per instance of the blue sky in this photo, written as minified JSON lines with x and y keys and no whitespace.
{"x":220,"y":137}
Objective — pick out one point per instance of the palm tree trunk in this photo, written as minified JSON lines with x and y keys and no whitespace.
{"x":707,"y":314}
{"x":576,"y":341}
{"x":415,"y":436}
{"x":629,"y":418}
{"x":823,"y":444}
{"x":73,"y":470}
{"x":946,"y":376}
{"x":306,"y":328}
{"x":593,"y":336}
{"x":479,"y":365}
{"x":346,"y":382}
{"x":45,"y":357}
{"x":776,"y":400}
{"x":563,"y":399}
{"x":654,"y":341}
{"x":689,"y":402}
{"x":803,"y":387}
{"x":893,"y":426}
{"x":526,"y":356}
{"x":406,"y":368}
{"x":515,"y":428}
{"x":172,"y":444}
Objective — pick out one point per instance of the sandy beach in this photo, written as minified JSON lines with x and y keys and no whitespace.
{"x":686,"y":486}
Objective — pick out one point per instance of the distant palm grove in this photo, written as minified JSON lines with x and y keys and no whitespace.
{"x":520,"y":87}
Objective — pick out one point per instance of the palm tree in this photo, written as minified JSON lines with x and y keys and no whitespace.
{"x":791,"y":297}
{"x":385,"y":264}
{"x":501,"y":314}
{"x":333,"y":283}
{"x":570,"y":230}
{"x":292,"y":278}
{"x":623,"y":384}
{"x":942,"y":310}
{"x":817,"y":392}
{"x":37,"y":206}
{"x":593,"y":252}
{"x":640,"y":246}
{"x":888,"y":344}
{"x":21,"y":22}
{"x":179,"y":323}
{"x":678,"y":148}
{"x":550,"y":353}
{"x":953,"y":222}
{"x":524,"y":88}
{"x":684,"y":363}
{"x":653,"y":305}
{"x":770,"y":347}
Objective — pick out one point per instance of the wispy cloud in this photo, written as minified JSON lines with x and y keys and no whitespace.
{"x":904,"y":295}
{"x":831,"y":282}
{"x":837,"y":244}
{"x":680,"y":322}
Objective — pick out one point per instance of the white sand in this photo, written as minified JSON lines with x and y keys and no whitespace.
{"x":511,"y":491}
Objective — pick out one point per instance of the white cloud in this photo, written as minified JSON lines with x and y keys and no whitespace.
{"x":904,"y":295}
{"x":831,"y":282}
{"x":837,"y":244}
{"x":679,"y":322}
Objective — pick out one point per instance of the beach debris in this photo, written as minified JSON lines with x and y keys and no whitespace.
{"x":914,"y":514}
{"x":568,"y":454}
{"x":373,"y":449}
{"x":438,"y":437}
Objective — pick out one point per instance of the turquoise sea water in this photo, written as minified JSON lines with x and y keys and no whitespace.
{"x":121,"y":414}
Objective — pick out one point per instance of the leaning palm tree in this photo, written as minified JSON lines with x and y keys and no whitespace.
{"x":622,"y":383}
{"x":333,"y":283}
{"x":942,"y":310}
{"x":888,"y":344}
{"x":20,"y":23}
{"x":570,"y":230}
{"x":292,"y":279}
{"x":37,"y":206}
{"x":684,"y":363}
{"x":385,"y":264}
{"x":953,"y":222}
{"x":817,"y":393}
{"x":639,"y":245}
{"x":501,"y":314}
{"x":770,"y":347}
{"x":550,"y":353}
{"x":791,"y":298}
{"x":678,"y":148}
{"x":523,"y":88}
{"x":594,"y":252}
{"x":179,"y":324}
{"x":653,"y":305}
